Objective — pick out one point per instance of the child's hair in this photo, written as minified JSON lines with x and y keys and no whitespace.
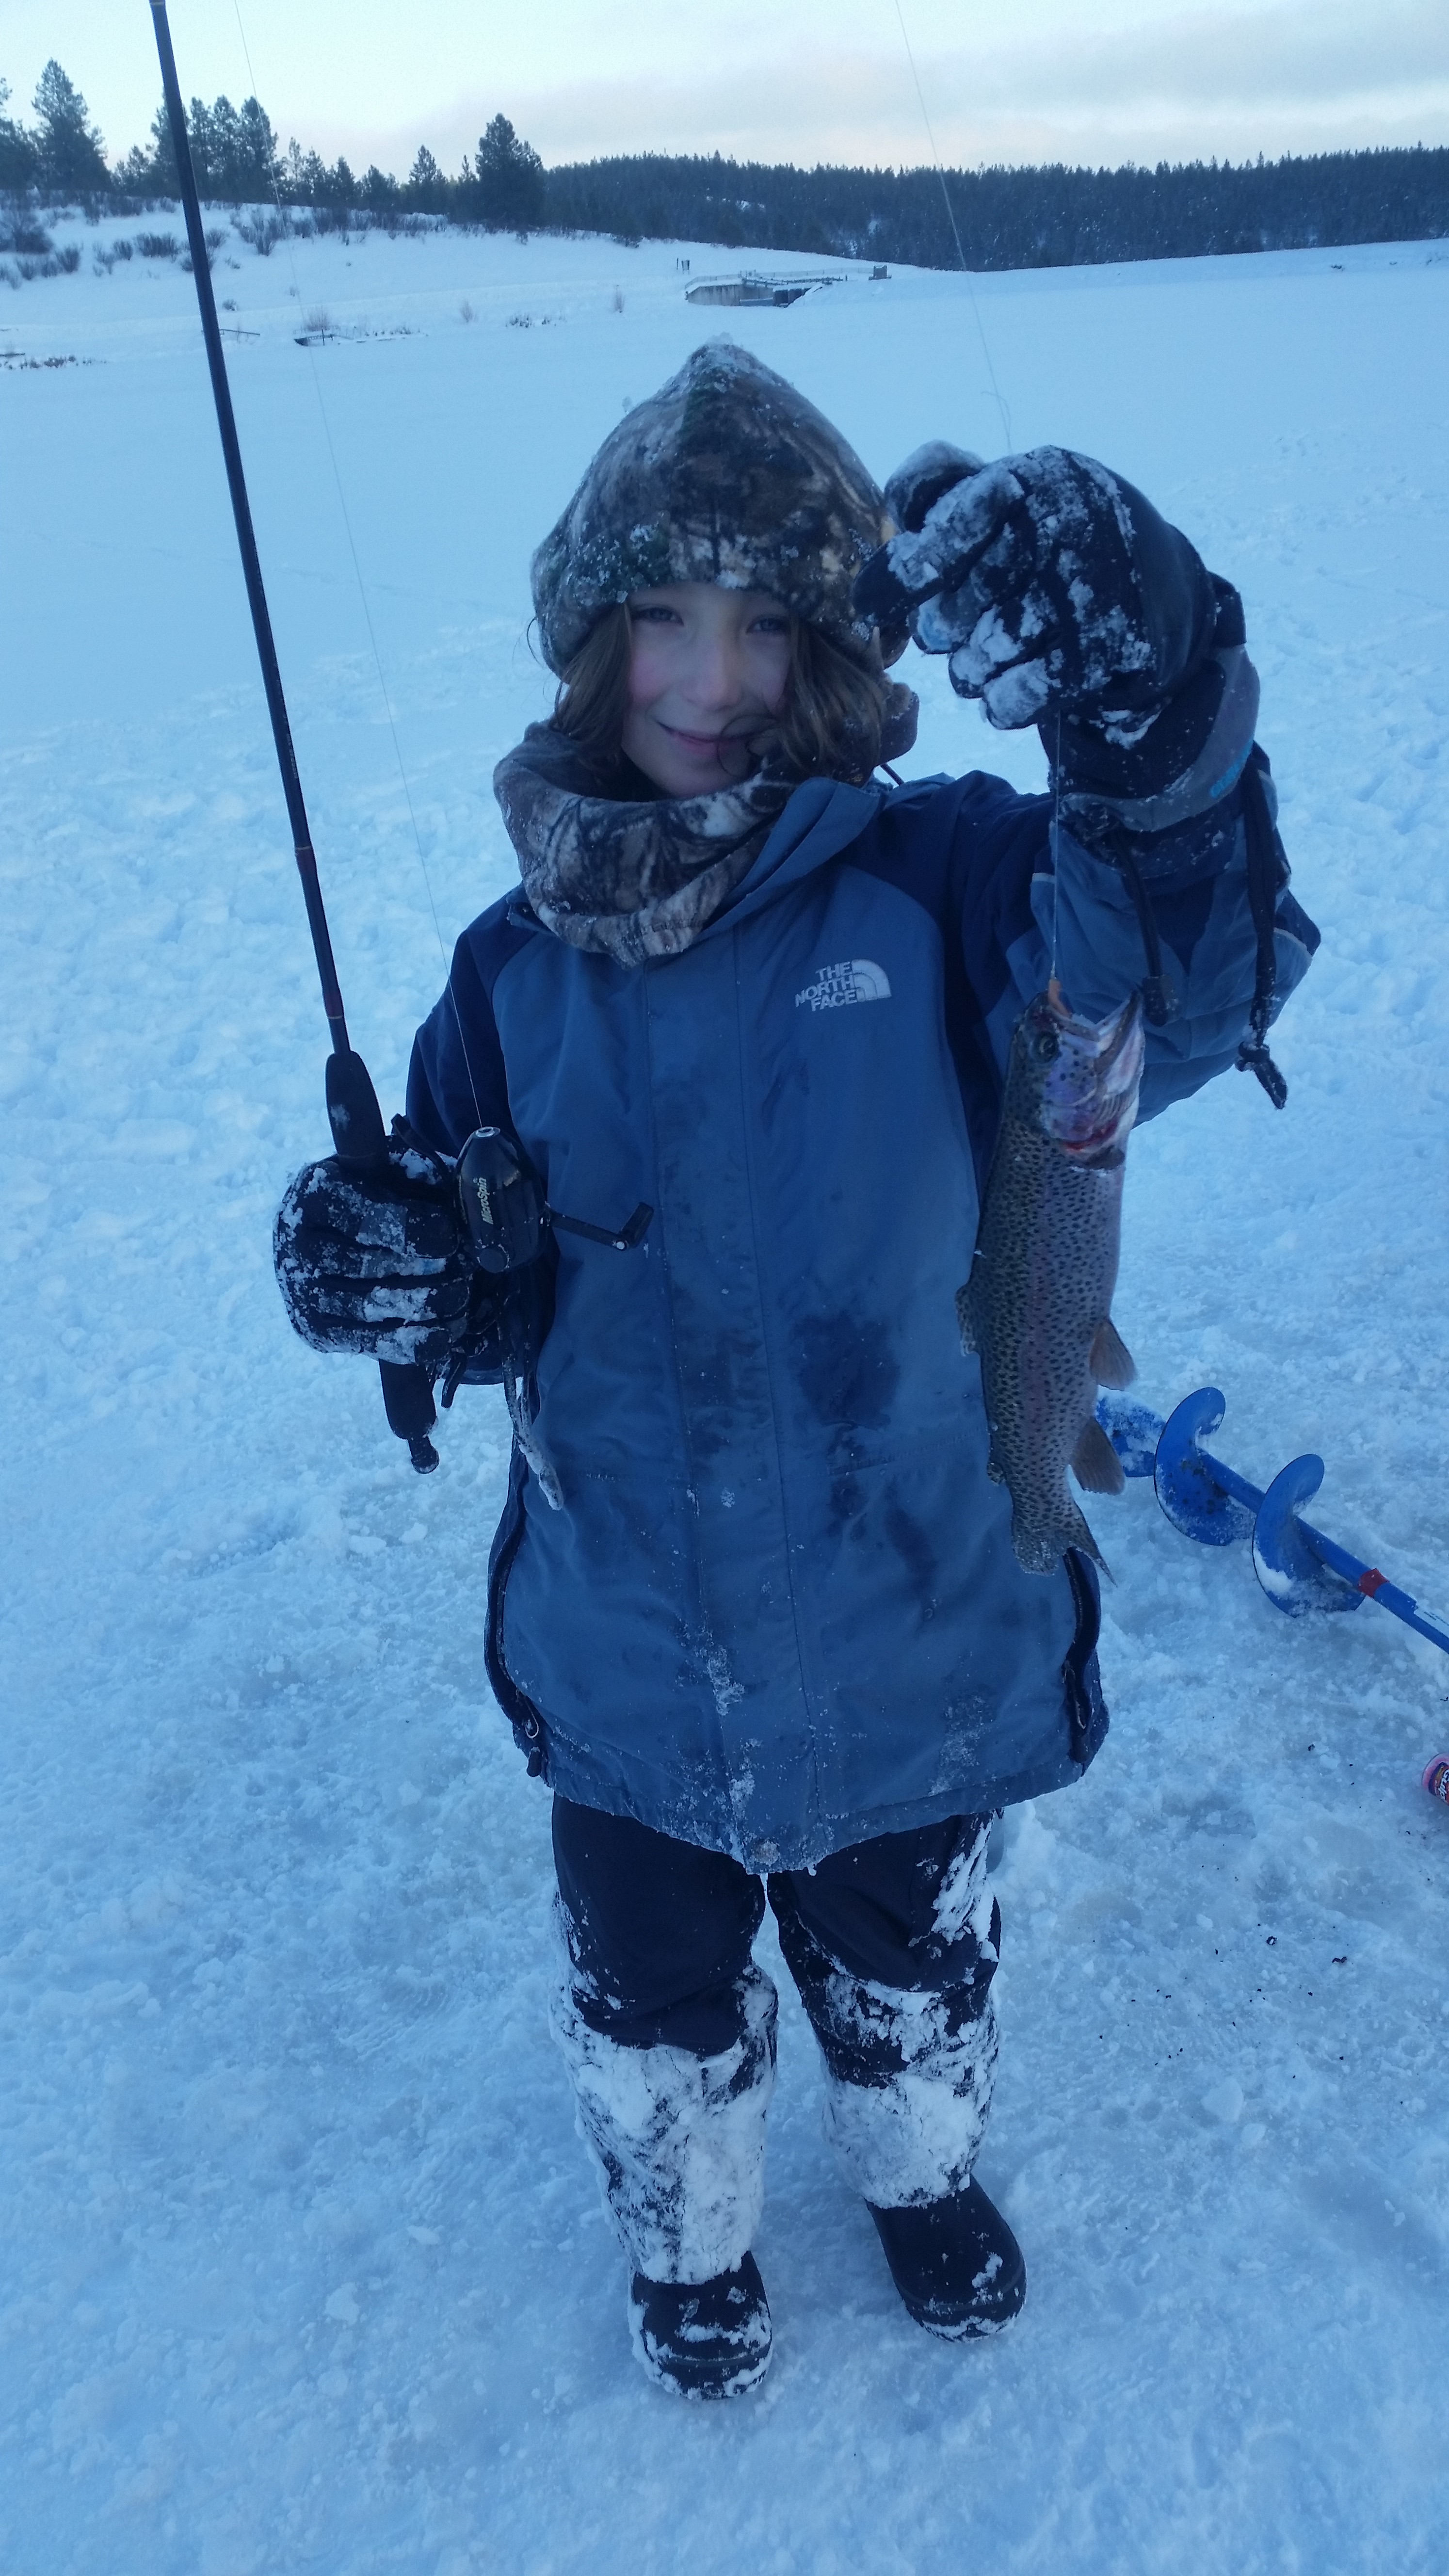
{"x":829,"y":726}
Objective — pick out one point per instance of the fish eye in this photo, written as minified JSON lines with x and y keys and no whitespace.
{"x":1046,"y":1045}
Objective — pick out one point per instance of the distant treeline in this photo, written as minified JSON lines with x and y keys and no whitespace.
{"x":1042,"y":218}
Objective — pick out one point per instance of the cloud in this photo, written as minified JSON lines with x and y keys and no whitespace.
{"x":1010,"y":80}
{"x":1181,"y":85}
{"x":1300,"y":57}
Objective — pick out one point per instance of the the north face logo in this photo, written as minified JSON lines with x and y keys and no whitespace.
{"x":858,"y":980}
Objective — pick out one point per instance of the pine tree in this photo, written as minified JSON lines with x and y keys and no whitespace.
{"x":163,"y":160}
{"x":19,"y":160}
{"x":237,"y":148}
{"x":301,"y":176}
{"x":233,"y":153}
{"x":426,"y":186}
{"x":509,"y":186}
{"x":136,"y":175}
{"x":256,"y":166}
{"x":68,"y":146}
{"x":204,"y":132}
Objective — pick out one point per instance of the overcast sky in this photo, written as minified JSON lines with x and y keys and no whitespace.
{"x":790,"y":80}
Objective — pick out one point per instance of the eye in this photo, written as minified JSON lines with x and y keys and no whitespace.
{"x":655,"y":613}
{"x":1046,"y":1046}
{"x":770,"y":626}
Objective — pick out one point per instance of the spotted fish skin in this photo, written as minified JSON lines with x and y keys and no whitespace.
{"x":1037,"y":1306}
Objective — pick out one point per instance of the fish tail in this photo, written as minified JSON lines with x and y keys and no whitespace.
{"x":1041,"y":1550}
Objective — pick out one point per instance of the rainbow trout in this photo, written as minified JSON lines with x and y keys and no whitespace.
{"x":1037,"y":1305}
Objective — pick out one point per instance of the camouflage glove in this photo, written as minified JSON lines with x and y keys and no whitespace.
{"x":378,"y":1260}
{"x":1055,"y":588}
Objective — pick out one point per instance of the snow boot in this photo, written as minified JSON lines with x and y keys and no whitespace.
{"x":955,"y":2262}
{"x":703,"y":2338}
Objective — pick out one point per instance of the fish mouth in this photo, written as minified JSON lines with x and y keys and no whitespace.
{"x":1085,"y":1145}
{"x":1089,"y":1096}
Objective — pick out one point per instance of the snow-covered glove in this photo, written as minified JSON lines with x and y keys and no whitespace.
{"x":378,"y":1259}
{"x":1048,"y":580}
{"x":1066,"y":601}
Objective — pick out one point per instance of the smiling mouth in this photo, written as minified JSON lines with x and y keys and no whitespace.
{"x":704,"y":744}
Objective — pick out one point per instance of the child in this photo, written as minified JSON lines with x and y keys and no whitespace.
{"x":753,"y":1608}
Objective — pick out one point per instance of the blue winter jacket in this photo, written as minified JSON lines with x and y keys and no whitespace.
{"x":779,"y":1610}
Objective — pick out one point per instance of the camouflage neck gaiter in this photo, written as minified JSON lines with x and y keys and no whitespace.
{"x":625,"y":880}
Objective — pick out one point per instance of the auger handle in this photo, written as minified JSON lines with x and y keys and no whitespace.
{"x":1299,"y":1567}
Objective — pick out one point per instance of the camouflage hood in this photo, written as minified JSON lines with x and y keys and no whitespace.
{"x":726,"y":475}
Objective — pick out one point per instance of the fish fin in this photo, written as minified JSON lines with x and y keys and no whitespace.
{"x":1080,"y":1537}
{"x":964,"y":1317}
{"x":1109,"y":1359}
{"x":1095,"y":1463}
{"x":997,"y":1474}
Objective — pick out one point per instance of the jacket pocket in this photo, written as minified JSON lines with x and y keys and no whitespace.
{"x":517,"y":1707}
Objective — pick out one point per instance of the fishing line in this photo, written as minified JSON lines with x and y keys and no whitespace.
{"x":1002,"y":407}
{"x":1056,"y":835}
{"x":288,"y":238}
{"x":1000,"y":399}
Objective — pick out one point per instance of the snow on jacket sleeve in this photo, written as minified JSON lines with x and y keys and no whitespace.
{"x":1079,"y":919}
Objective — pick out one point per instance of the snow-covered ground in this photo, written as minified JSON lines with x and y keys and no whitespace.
{"x":303,"y":2266}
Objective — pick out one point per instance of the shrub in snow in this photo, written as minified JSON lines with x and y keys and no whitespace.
{"x":261,"y":231}
{"x":19,"y":231}
{"x":57,"y":263}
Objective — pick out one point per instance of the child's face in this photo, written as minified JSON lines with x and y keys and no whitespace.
{"x":707,"y":670}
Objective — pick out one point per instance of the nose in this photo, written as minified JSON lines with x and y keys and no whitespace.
{"x":714,"y":673}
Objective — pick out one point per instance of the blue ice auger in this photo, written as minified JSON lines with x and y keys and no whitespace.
{"x":1299,"y":1568}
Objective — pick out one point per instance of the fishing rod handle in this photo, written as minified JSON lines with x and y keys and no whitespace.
{"x":360,"y":1139}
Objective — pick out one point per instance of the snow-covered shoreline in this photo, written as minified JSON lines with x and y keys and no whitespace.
{"x":304,"y":2264}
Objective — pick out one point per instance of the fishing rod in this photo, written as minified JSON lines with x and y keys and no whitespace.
{"x":358,"y":1134}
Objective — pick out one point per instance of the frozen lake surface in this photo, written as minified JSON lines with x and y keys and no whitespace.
{"x":304,"y":2267}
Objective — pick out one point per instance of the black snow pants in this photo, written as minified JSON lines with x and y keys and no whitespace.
{"x":668,"y":2026}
